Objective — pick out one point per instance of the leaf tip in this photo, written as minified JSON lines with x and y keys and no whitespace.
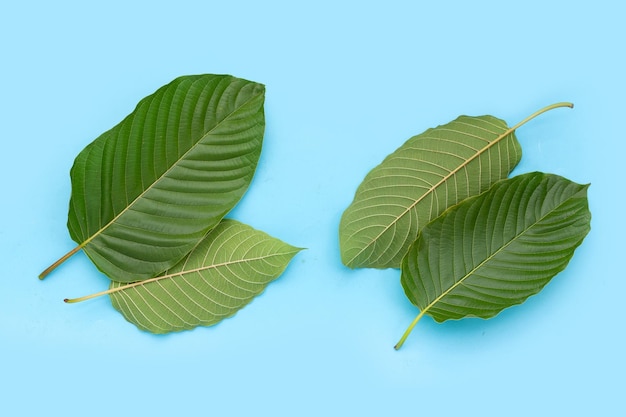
{"x":259,"y":89}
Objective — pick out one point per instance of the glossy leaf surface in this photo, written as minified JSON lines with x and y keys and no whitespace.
{"x":495,"y":250}
{"x":145,"y":192}
{"x":417,"y":182}
{"x":231,"y":266}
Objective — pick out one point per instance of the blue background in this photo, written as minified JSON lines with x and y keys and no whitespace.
{"x":347,"y":83}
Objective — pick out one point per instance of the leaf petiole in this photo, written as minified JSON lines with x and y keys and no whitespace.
{"x":409,"y":330}
{"x":126,"y":287}
{"x":541,"y":111}
{"x":131,"y":285}
{"x":101,"y":293}
{"x":60,"y":261}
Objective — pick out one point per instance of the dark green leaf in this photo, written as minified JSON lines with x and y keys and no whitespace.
{"x":145,"y":192}
{"x":495,"y":250}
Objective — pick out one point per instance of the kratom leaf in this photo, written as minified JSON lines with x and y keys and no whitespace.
{"x":417,"y":182}
{"x":495,"y":250}
{"x":228,"y":268}
{"x":145,"y":192}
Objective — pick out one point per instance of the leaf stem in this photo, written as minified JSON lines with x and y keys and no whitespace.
{"x":128,"y":286}
{"x":409,"y":330}
{"x":116,"y":289}
{"x":101,"y":293}
{"x":545,"y":109}
{"x":59,"y":262}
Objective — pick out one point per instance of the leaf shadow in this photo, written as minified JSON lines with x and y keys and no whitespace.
{"x":513,"y":325}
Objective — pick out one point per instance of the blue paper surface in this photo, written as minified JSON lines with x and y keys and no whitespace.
{"x":347,"y":83}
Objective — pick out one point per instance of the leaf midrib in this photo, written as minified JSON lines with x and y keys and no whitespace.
{"x":182,"y":157}
{"x":434,"y":187}
{"x":200,"y":269}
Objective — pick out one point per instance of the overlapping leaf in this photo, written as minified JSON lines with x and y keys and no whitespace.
{"x":426,"y":175}
{"x":145,"y":192}
{"x":227,"y":269}
{"x":495,"y":250}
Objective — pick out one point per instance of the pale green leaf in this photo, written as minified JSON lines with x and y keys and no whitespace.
{"x":227,"y":269}
{"x":495,"y":250}
{"x":417,"y":182}
{"x":145,"y":192}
